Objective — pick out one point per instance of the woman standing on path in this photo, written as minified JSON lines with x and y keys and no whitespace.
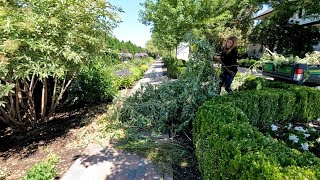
{"x":228,"y":60}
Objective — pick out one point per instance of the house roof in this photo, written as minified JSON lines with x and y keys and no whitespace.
{"x":264,"y":14}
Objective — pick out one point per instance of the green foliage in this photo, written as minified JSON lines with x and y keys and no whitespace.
{"x":299,"y":136}
{"x":2,"y":174}
{"x":133,"y":71}
{"x":93,"y":85}
{"x":175,"y":67}
{"x":247,"y":63}
{"x":45,"y":43}
{"x":307,"y":99}
{"x":121,"y":46}
{"x":171,"y":20}
{"x":278,"y":59}
{"x":152,"y":49}
{"x":172,"y":105}
{"x":101,"y":81}
{"x":44,"y":170}
{"x":288,"y":38}
{"x":285,"y":38}
{"x":310,"y":7}
{"x":223,"y":33}
{"x":229,"y":144}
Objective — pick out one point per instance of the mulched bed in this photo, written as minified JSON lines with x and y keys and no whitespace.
{"x":191,"y":171}
{"x":20,"y":151}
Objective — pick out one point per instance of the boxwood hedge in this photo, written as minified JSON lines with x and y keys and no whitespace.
{"x":229,"y":144}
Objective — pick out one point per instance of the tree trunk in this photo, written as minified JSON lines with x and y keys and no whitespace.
{"x":18,"y":92}
{"x":30,"y":102}
{"x":63,"y":89}
{"x":54,"y":92}
{"x":44,"y":100}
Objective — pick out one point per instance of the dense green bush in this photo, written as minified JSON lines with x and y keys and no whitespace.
{"x":307,"y":98}
{"x":247,"y":62}
{"x":175,"y":67}
{"x":45,"y":170}
{"x":229,"y":144}
{"x":93,"y":85}
{"x":130,"y":72}
{"x":101,"y":81}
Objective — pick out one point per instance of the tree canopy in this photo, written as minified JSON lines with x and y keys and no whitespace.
{"x":45,"y":42}
{"x":172,"y":19}
{"x":280,"y":35}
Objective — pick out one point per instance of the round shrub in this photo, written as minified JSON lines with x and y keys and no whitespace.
{"x":93,"y":85}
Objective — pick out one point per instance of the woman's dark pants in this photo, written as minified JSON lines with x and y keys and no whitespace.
{"x":226,"y":78}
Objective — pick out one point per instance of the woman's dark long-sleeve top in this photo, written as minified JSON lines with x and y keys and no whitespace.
{"x":229,"y":62}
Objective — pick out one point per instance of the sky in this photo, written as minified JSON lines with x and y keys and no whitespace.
{"x":131,"y":29}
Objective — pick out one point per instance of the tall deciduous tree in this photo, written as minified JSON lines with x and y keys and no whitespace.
{"x":44,"y":43}
{"x":172,"y":19}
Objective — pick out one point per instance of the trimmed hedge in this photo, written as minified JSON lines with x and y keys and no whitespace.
{"x":307,"y":99}
{"x":229,"y":144}
{"x":175,"y":67}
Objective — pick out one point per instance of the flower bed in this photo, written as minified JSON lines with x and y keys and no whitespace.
{"x":230,"y":145}
{"x":304,"y":137}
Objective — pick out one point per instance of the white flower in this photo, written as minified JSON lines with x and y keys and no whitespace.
{"x":274,"y":127}
{"x":299,"y":128}
{"x":289,"y":126}
{"x":305,"y":146}
{"x":311,"y":125}
{"x":318,"y":140}
{"x":306,"y":135}
{"x":294,"y":138}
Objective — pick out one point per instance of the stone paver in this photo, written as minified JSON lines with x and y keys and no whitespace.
{"x":102,"y":161}
{"x":155,"y":75}
{"x":99,"y":163}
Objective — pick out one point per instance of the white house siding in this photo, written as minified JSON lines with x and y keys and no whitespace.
{"x":317,"y":48}
{"x":183,"y":51}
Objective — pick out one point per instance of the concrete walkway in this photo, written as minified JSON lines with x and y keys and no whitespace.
{"x":100,"y":162}
{"x":155,"y":75}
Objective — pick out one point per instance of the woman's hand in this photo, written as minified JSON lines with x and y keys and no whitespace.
{"x":217,"y":58}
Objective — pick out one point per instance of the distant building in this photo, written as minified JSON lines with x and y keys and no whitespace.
{"x":183,"y":51}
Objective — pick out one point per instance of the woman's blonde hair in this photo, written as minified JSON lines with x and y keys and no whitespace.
{"x":234,"y":39}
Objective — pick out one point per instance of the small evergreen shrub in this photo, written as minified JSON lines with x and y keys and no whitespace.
{"x":45,"y":170}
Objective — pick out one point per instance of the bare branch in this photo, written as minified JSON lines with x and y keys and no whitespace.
{"x":10,"y":108}
{"x":32,"y":82}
